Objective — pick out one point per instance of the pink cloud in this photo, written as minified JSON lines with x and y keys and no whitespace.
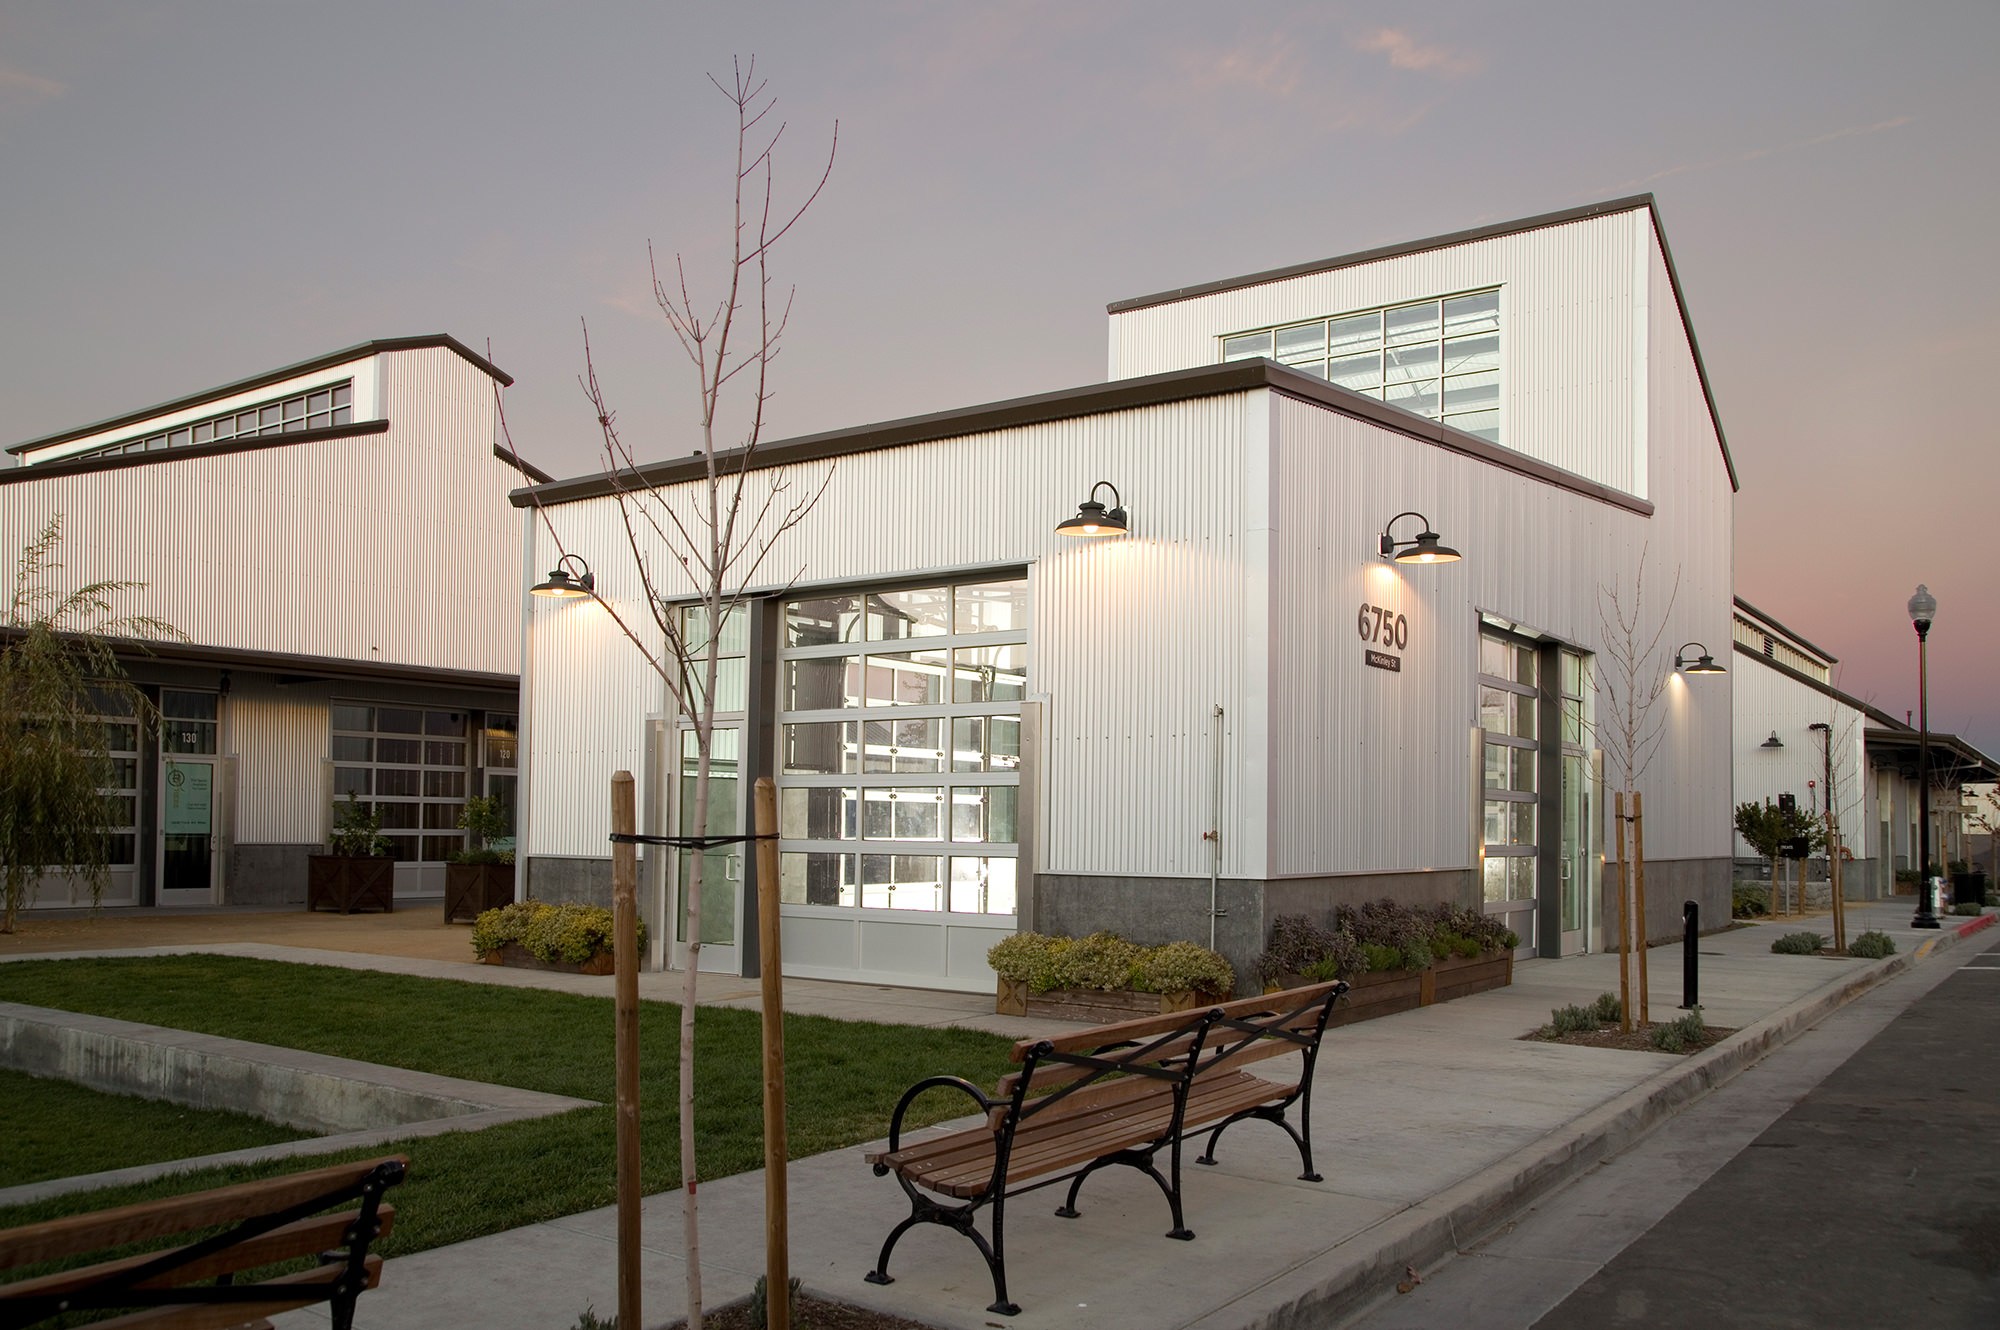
{"x":1406,"y":52}
{"x":21,"y":87}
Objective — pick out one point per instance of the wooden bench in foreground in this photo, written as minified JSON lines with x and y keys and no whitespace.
{"x":193,"y":1286}
{"x":1113,"y":1094}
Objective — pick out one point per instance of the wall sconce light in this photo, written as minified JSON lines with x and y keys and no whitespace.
{"x":1773,"y":742}
{"x":1093,"y":519}
{"x":1704,"y":664}
{"x":561,"y":586}
{"x":1424,"y":549}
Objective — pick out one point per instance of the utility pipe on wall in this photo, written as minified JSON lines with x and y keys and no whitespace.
{"x":1215,"y":831}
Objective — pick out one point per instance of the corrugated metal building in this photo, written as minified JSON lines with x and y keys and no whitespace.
{"x":334,"y":541}
{"x":1798,"y":734}
{"x":978,"y":724}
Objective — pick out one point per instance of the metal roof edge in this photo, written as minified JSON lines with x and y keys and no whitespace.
{"x":1560,"y":218}
{"x":1799,"y":638}
{"x":87,"y":463}
{"x":1092,"y":399}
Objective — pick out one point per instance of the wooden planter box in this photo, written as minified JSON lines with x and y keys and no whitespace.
{"x":1089,"y":1006}
{"x":1461,"y":977}
{"x":335,"y":882}
{"x":470,"y":890}
{"x":518,"y":956}
{"x":1391,"y":991}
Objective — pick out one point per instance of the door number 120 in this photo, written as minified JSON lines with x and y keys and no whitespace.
{"x":1383,"y":626}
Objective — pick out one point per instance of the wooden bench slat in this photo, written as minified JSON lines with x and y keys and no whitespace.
{"x":1143,"y":1027}
{"x":227,"y":1316}
{"x":73,"y":1234}
{"x":304,"y":1237}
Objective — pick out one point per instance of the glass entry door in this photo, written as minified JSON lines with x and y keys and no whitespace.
{"x":722,"y":877}
{"x":187,"y":837}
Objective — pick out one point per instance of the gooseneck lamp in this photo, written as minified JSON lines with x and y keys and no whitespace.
{"x":561,"y":585}
{"x":1094,"y":519}
{"x":1426,"y":548}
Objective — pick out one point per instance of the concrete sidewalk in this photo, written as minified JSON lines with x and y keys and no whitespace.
{"x":1430,"y":1126}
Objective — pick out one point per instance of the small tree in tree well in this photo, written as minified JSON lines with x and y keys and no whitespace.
{"x":59,"y":679}
{"x":694,"y":556}
{"x":1769,"y":829}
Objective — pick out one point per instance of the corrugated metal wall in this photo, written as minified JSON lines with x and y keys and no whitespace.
{"x":394,"y":548}
{"x":1571,"y":331}
{"x":1134,"y":641}
{"x":1768,"y":703}
{"x":280,"y":735}
{"x":1365,"y":761}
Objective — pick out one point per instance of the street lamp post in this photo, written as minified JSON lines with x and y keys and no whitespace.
{"x":1923,"y":609}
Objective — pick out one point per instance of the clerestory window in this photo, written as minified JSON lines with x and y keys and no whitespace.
{"x":1436,"y":358}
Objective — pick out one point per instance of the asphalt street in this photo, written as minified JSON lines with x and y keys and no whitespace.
{"x":1850,"y":1179}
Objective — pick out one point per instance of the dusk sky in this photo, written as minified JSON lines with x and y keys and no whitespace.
{"x":197,"y":191}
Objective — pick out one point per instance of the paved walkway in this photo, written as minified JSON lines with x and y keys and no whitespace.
{"x":1430,"y":1126}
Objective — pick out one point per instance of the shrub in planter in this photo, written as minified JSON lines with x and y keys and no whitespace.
{"x":1678,"y":1036}
{"x":1303,"y":948}
{"x":357,"y":832}
{"x":485,"y":820}
{"x":479,"y":877}
{"x":1799,"y":944}
{"x":552,"y":934}
{"x":1748,"y":902}
{"x":1872,"y":946}
{"x":1387,"y":926}
{"x":1105,"y":962}
{"x":356,"y":872}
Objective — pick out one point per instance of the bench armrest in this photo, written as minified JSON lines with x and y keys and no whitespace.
{"x":910,"y":1096}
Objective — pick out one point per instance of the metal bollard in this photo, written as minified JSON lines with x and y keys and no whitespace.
{"x":1690,"y":927}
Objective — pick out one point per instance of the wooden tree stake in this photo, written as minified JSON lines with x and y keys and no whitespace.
{"x":1639,"y":900}
{"x":1624,"y":923}
{"x":777,"y":1261}
{"x":625,"y":955}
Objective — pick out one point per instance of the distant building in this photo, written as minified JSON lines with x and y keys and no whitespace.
{"x":334,"y":539}
{"x":978,"y":724}
{"x":1798,"y":734}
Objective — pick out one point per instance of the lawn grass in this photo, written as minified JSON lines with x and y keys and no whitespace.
{"x":842,"y":1078}
{"x":56,"y":1129}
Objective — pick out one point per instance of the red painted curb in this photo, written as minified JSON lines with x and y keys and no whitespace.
{"x":1973,"y":926}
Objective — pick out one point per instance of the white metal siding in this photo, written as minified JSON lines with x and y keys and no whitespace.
{"x":1768,"y":703}
{"x":1133,"y":641}
{"x":1365,"y":762}
{"x":394,"y":548}
{"x":1571,"y":345}
{"x":279,"y":736}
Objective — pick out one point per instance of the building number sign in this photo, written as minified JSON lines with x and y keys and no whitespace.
{"x":1384,"y":627}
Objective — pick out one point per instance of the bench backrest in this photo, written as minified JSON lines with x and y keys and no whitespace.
{"x":261,"y":1224}
{"x":1173,"y":1047}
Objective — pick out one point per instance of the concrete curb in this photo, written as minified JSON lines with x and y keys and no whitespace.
{"x":1333,"y":1283}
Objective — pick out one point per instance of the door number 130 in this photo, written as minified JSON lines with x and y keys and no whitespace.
{"x":1385,"y":627}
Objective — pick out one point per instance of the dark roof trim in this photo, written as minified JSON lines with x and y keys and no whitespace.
{"x":317,"y":667}
{"x":1867,"y":709}
{"x":93,"y":462}
{"x":1584,"y":213}
{"x":359,"y":351}
{"x":523,"y":465}
{"x":1976,"y":765}
{"x":1181,"y":385}
{"x":1798,"y":638}
{"x":1376,"y":255}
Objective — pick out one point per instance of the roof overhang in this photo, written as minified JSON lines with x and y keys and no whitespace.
{"x":1181,"y":385}
{"x":1953,"y":761}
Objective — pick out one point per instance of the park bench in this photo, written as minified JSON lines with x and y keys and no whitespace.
{"x":1112,"y":1094}
{"x":222,"y":1234}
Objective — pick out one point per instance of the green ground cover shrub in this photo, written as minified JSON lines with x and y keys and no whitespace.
{"x":1872,"y":946}
{"x":567,"y":932}
{"x":1682,"y":1034}
{"x":1108,"y":963}
{"x":1803,"y":943}
{"x":843,"y":1078}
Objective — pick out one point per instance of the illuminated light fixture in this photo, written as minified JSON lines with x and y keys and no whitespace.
{"x":561,"y":585}
{"x":1703,"y":664}
{"x":1094,"y":519}
{"x":1426,"y":548}
{"x":1773,"y":742}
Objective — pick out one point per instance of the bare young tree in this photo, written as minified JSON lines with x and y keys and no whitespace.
{"x":1631,"y":677}
{"x":695,"y":554}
